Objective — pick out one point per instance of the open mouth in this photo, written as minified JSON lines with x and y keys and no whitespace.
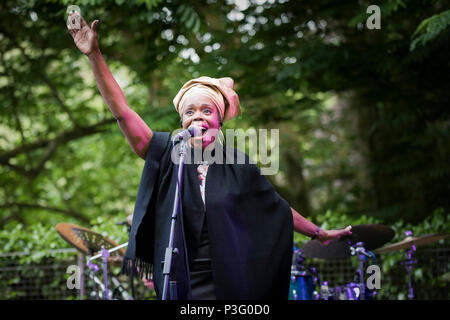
{"x":203,"y":129}
{"x":202,"y":132}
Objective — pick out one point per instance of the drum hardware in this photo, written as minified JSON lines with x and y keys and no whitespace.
{"x":363,"y":239}
{"x":410,"y":241}
{"x":128,"y":222}
{"x":358,"y":249}
{"x":89,"y":243}
{"x":118,"y":288}
{"x":316,"y":280}
{"x":105,"y":255}
{"x":410,"y":244}
{"x":340,"y":293}
{"x":373,"y":236}
{"x":99,"y":288}
{"x":304,"y":281}
{"x":311,"y":270}
{"x":108,"y":252}
{"x":326,"y":292}
{"x":408,"y":263}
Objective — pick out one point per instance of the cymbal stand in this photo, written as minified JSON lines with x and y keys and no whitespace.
{"x":316,"y":280}
{"x":408,"y":263}
{"x":93,"y":268}
{"x":105,"y":255}
{"x":358,"y":249}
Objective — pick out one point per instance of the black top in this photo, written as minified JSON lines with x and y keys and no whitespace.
{"x":250,"y":227}
{"x":200,"y":269}
{"x":201,"y":273}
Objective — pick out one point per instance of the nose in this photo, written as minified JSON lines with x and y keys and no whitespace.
{"x":198,"y":116}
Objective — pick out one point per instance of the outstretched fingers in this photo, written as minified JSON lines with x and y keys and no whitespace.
{"x":75,"y":22}
{"x":72,"y":25}
{"x":94,"y":25}
{"x":83,"y":22}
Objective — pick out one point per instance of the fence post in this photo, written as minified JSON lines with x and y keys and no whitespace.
{"x":81,"y":266}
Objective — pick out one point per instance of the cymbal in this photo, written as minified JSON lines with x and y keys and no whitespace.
{"x":115,"y":260}
{"x":87,"y":241}
{"x":408,"y":242}
{"x":372,"y":235}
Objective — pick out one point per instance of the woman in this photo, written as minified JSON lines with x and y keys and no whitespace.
{"x":234,"y":236}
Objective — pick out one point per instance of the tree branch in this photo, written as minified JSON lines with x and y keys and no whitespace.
{"x":20,"y":205}
{"x":61,"y":138}
{"x":14,"y":102}
{"x":47,"y":81}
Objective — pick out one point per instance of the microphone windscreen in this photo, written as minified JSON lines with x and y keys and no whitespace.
{"x":195,"y":131}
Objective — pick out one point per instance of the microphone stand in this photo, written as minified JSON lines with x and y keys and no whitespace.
{"x":169,"y":282}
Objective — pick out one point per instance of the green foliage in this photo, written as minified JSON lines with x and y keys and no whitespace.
{"x":189,"y":17}
{"x":430,"y":28}
{"x":37,"y":243}
{"x":363,"y":114}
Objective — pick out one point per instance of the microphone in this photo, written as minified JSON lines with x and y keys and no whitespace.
{"x":188,"y":133}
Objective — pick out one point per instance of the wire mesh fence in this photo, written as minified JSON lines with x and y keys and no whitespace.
{"x":48,"y":278}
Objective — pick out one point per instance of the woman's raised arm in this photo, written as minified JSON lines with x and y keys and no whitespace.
{"x":133,"y":127}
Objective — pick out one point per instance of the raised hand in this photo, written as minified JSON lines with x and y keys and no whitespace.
{"x":85,"y":38}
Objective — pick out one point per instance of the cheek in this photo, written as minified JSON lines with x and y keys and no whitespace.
{"x":185,"y":122}
{"x":215,"y":121}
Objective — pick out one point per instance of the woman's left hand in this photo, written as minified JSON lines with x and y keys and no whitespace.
{"x":325,"y":236}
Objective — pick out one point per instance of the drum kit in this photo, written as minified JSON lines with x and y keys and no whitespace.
{"x":365,"y":242}
{"x":93,"y":245}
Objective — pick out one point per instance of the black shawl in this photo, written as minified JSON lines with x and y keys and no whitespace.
{"x":250,"y":226}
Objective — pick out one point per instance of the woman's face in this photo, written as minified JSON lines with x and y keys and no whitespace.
{"x":200,"y":111}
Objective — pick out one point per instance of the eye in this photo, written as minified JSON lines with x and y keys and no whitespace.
{"x":207,"y":111}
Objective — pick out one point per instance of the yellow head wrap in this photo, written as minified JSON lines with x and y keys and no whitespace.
{"x":220,"y":91}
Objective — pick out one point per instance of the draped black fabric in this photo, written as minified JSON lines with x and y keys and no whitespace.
{"x":250,"y":226}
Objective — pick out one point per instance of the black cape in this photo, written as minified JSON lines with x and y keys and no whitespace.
{"x":250,"y":226}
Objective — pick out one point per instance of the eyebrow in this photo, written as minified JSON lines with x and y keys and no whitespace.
{"x":203,"y":105}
